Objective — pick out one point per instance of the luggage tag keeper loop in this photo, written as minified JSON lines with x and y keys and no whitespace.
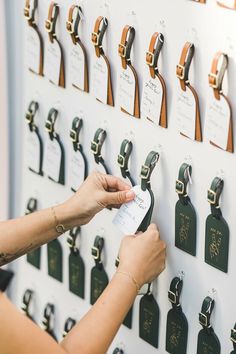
{"x":75,"y":131}
{"x":217,"y":73}
{"x":152,"y":56}
{"x":30,"y":114}
{"x":72,"y":239}
{"x":182,"y":69}
{"x":50,"y":122}
{"x":72,"y":24}
{"x":147,"y":169}
{"x":50,"y":23}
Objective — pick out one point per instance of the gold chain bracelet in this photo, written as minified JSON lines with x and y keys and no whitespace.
{"x":131,"y":277}
{"x":60,"y":228}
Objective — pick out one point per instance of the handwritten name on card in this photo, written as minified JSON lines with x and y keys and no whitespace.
{"x":77,"y":66}
{"x":99,"y":79}
{"x":152,"y":98}
{"x":186,"y":113}
{"x":126,"y":90}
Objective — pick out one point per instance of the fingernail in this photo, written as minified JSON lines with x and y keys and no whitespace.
{"x":130,"y":195}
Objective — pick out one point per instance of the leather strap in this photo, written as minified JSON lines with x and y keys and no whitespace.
{"x":125,"y":45}
{"x":5,"y":278}
{"x":98,"y":34}
{"x":47,"y":317}
{"x":96,"y":251}
{"x":153,"y":53}
{"x":233,"y":336}
{"x":27,"y":298}
{"x":123,"y":159}
{"x":72,"y":238}
{"x":69,"y":324}
{"x":31,"y":206}
{"x":29,"y":12}
{"x":213,"y":196}
{"x":205,"y":314}
{"x":50,"y":23}
{"x":181,"y":185}
{"x":182,"y":69}
{"x":50,"y":122}
{"x":174,"y":293}
{"x":147,"y":169}
{"x":77,"y":124}
{"x":96,"y":147}
{"x":217,"y":73}
{"x":72,"y":24}
{"x":30,"y":114}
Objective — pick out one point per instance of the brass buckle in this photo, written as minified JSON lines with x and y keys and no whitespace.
{"x":27,"y":13}
{"x":122,"y":50}
{"x":145,"y":171}
{"x":172,"y":297}
{"x":48,"y":26}
{"x":151,"y":56}
{"x":73,"y":136}
{"x":45,"y":324}
{"x":49,"y":126}
{"x":203,"y":319}
{"x":232,"y":338}
{"x":96,"y":39}
{"x":215,"y":83}
{"x":211,"y":196}
{"x":69,"y":27}
{"x":29,"y":117}
{"x":179,"y":187}
{"x":94,"y":147}
{"x":70,"y":241}
{"x":121,"y":160}
{"x":96,"y":251}
{"x":182,"y":68}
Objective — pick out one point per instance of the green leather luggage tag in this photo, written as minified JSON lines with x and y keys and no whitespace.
{"x":96,"y":147}
{"x":78,"y":162}
{"x":208,"y":342}
{"x":54,"y":253}
{"x":177,"y":324}
{"x":33,"y":257}
{"x":99,"y":278}
{"x":123,"y":160}
{"x":233,"y":339}
{"x":185,"y":215}
{"x":217,"y":230}
{"x":26,"y":306}
{"x":48,"y":320}
{"x":54,"y":162}
{"x":76,"y":265}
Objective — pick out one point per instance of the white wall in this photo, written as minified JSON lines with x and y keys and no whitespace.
{"x":211,"y":28}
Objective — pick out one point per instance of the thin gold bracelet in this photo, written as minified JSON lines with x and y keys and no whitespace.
{"x":131,"y":277}
{"x":60,"y":228}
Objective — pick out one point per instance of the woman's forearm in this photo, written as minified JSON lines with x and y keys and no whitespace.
{"x":95,"y":332}
{"x":24,"y":234}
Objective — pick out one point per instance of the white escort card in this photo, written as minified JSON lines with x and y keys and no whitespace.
{"x":33,"y":151}
{"x":52,"y":159}
{"x":217,"y":124}
{"x":186,"y":113}
{"x":77,"y":66}
{"x":76,"y":169}
{"x":99,"y":79}
{"x":126,"y":90}
{"x":53,"y":58}
{"x":130,"y":215}
{"x":152,"y":98}
{"x":33,"y":49}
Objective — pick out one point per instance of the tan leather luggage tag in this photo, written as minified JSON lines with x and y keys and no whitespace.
{"x":219,"y":122}
{"x":54,"y":61}
{"x":101,"y":84}
{"x":128,"y":89}
{"x":34,"y":42}
{"x":228,"y":4}
{"x":154,"y":102}
{"x":78,"y":55}
{"x":188,"y":112}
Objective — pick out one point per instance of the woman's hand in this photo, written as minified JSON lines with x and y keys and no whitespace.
{"x":96,"y":193}
{"x":143,"y":255}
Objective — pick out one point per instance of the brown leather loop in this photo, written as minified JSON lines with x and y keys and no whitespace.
{"x":216,"y":75}
{"x":70,"y":23}
{"x":125,"y":45}
{"x":150,"y":54}
{"x":182,"y":68}
{"x":30,"y":12}
{"x":98,"y":33}
{"x":50,"y":23}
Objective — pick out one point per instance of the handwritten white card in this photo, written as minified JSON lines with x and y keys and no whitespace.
{"x":52,"y":159}
{"x":186,"y":113}
{"x":52,"y":61}
{"x":217,"y":121}
{"x":99,"y":79}
{"x":152,"y":98}
{"x":126,"y":90}
{"x":130,"y":215}
{"x":76,"y":169}
{"x":76,"y":67}
{"x":32,"y":49}
{"x":32,"y":151}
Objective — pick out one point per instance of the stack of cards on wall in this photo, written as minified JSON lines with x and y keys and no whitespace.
{"x":78,"y":65}
{"x":54,"y":159}
{"x":101,"y":85}
{"x":54,"y":62}
{"x":128,"y":87}
{"x":188,"y":113}
{"x":228,"y":4}
{"x":34,"y":43}
{"x":219,"y":124}
{"x":154,"y":102}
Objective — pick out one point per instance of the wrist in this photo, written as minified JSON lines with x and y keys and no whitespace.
{"x":133,"y":272}
{"x":65,"y":216}
{"x":127,"y":281}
